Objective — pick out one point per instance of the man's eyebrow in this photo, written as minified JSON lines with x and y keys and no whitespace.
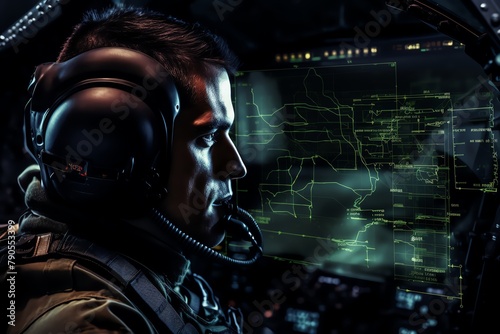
{"x":207,"y":123}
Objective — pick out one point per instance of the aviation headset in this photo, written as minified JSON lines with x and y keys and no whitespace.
{"x":100,"y":126}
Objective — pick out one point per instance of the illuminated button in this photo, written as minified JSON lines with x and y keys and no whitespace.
{"x":483,"y":6}
{"x":495,"y":19}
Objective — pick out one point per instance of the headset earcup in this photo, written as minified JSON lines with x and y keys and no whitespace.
{"x":102,"y":136}
{"x":109,"y":147}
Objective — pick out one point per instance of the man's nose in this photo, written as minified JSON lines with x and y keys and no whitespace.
{"x":234,"y":166}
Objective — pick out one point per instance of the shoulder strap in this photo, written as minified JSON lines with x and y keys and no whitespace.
{"x":131,"y":278}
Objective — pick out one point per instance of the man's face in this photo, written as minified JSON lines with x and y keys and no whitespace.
{"x":204,"y":160}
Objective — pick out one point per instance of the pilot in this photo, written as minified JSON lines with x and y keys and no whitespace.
{"x":130,"y":132}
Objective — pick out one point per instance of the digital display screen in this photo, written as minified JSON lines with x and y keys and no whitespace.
{"x":371,"y":164}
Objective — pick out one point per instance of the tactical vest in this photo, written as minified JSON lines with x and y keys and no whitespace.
{"x":127,"y":276}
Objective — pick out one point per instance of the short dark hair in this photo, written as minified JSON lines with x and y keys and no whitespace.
{"x":182,"y":47}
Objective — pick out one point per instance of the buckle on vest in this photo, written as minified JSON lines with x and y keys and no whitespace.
{"x":33,"y":245}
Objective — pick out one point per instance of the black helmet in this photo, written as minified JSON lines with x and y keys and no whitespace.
{"x":100,"y":127}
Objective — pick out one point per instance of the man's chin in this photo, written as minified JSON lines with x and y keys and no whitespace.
{"x":212,"y":237}
{"x":209,"y":234}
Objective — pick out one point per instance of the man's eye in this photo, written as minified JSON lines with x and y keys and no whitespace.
{"x":208,"y":140}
